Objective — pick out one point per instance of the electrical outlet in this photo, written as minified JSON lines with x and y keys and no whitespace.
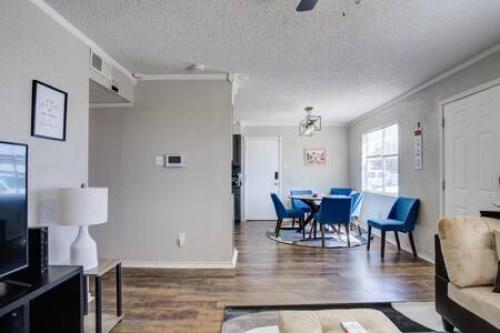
{"x":181,"y":241}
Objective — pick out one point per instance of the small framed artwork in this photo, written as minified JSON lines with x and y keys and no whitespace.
{"x":48,"y":112}
{"x":314,"y":156}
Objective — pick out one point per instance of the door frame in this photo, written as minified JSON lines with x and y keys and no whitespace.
{"x":442,"y":103}
{"x":245,"y":139}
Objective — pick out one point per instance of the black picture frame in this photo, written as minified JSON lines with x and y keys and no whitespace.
{"x":35,"y":115}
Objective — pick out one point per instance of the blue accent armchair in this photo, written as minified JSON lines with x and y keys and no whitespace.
{"x":299,"y":204}
{"x":340,"y":191}
{"x":357,"y":200}
{"x":334,"y":211}
{"x":402,"y":218}
{"x":283,"y":213}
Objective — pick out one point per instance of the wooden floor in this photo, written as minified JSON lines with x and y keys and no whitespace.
{"x":178,"y":301}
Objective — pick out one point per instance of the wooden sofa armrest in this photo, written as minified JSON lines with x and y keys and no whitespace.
{"x":439,"y":261}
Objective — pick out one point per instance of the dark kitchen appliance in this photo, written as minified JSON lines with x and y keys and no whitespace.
{"x":236,"y":177}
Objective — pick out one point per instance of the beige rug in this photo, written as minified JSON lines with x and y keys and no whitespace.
{"x":423,"y":313}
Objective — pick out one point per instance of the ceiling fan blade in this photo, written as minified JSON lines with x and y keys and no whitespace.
{"x":306,"y":5}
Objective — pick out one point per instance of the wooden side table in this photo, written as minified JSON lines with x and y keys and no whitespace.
{"x":104,"y":266}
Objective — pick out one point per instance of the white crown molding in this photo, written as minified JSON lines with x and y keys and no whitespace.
{"x":484,"y":54}
{"x":283,"y":123}
{"x":110,"y":105}
{"x":184,"y":264}
{"x":185,"y":76}
{"x":52,"y":13}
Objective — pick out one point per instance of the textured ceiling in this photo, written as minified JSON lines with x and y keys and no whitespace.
{"x":342,"y":65}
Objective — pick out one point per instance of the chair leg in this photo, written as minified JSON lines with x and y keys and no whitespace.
{"x":359,"y":226}
{"x":369,"y":238}
{"x":293,"y":222}
{"x":397,"y":240}
{"x":303,"y":226}
{"x":278,"y":227}
{"x":322,"y":229}
{"x":382,"y":245}
{"x":315,"y":229}
{"x":412,"y":243}
{"x":347,"y":227}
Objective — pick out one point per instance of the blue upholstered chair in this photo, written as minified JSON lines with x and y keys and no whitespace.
{"x":299,"y":204}
{"x":283,"y":213}
{"x":334,"y":211}
{"x":357,"y":200}
{"x":402,"y":218}
{"x":340,"y":191}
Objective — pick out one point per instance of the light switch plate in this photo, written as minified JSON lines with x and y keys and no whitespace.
{"x":159,"y":160}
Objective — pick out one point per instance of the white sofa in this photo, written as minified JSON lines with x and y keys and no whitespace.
{"x":466,"y":270}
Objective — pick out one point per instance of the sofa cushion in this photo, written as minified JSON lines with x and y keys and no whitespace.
{"x":478,"y":300}
{"x":468,"y":250}
{"x":328,"y":321}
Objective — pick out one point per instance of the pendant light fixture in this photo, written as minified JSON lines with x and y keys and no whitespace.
{"x":310,"y":123}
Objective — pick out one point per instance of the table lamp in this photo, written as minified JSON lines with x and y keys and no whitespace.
{"x":83,"y":207}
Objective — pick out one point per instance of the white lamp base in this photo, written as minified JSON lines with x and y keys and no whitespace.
{"x":84,"y":249}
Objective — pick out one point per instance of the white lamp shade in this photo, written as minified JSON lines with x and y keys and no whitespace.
{"x":82,"y":206}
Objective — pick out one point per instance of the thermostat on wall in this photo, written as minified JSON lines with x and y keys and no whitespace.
{"x":174,"y":161}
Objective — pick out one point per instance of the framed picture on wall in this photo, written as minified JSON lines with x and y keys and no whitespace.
{"x":314,"y":156}
{"x":48,"y":112}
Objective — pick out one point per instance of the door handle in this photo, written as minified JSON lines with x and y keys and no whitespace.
{"x":276,"y":175}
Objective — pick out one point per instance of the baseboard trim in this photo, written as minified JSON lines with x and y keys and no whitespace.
{"x":183,"y":264}
{"x":177,"y":265}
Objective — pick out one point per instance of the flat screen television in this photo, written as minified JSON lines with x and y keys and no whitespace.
{"x":13,"y":207}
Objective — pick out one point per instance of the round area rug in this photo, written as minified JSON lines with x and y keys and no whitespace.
{"x":332,"y":240}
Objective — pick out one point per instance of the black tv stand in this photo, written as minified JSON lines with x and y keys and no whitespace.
{"x":18,"y":283}
{"x":52,"y":302}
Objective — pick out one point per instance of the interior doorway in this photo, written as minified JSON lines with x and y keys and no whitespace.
{"x":471,"y":153}
{"x":262,"y":176}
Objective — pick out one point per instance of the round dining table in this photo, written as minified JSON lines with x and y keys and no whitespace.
{"x":314,"y":202}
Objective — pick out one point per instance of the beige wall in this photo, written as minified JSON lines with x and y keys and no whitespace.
{"x":33,"y":46}
{"x":424,"y":184}
{"x":150,"y":205}
{"x":295,"y":175}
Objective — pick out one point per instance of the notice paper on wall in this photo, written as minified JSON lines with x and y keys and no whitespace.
{"x":417,"y":132}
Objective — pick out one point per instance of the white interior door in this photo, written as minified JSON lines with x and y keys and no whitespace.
{"x":262,"y":176}
{"x":472,"y":153}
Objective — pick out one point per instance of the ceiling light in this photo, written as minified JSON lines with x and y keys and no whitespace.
{"x":196,"y":67}
{"x":310,"y":123}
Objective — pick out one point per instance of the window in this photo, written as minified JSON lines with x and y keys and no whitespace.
{"x":380,"y":160}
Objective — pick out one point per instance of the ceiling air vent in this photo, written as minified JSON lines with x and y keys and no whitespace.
{"x":98,"y":64}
